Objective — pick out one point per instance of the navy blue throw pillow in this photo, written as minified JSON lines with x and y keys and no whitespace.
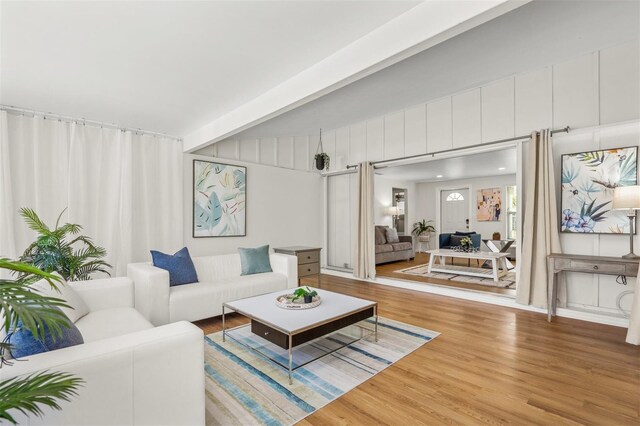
{"x":24,"y":343}
{"x":255,"y":260}
{"x":464,"y":233}
{"x":179,"y":265}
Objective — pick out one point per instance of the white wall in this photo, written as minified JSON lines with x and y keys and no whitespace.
{"x":284,"y":207}
{"x":429,"y":194}
{"x":383,"y":200}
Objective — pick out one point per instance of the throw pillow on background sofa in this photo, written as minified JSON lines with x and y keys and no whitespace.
{"x":392,"y":236}
{"x":180,"y":266}
{"x":255,"y":260}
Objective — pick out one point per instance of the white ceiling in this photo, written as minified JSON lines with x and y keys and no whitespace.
{"x":454,"y":168}
{"x":168,"y":66}
{"x":530,"y":37}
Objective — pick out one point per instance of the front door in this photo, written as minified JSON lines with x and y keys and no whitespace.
{"x":454,"y":214}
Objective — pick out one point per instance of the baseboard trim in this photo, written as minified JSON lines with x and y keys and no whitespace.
{"x":493,"y":299}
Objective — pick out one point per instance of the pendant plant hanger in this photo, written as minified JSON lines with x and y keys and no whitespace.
{"x":321,"y":158}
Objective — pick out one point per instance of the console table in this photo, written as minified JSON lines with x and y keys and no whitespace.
{"x":557,"y":263}
{"x":308,"y":260}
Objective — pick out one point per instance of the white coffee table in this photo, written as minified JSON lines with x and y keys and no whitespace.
{"x":497,"y":260}
{"x":289,"y":329}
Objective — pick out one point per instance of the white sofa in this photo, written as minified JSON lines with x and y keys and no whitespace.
{"x":134,"y":374}
{"x":219,"y":282}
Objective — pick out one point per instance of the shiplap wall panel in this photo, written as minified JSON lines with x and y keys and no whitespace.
{"x":415,"y":130}
{"x":331,"y":220}
{"x":268,"y":149}
{"x":620,"y":83}
{"x":329,"y":144}
{"x":342,"y":148}
{"x":394,"y":135}
{"x":227,"y":149}
{"x":301,"y":156}
{"x":467,"y":124}
{"x":575,"y":92}
{"x":533,"y":101}
{"x":498,"y":110}
{"x":358,"y":143}
{"x":249,"y":150}
{"x":343,"y":222}
{"x":439,"y":125}
{"x":375,"y":139}
{"x":353,"y":183}
{"x":285,"y":152}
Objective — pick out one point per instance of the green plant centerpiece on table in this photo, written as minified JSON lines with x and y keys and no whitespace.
{"x":423,"y":227}
{"x":303,"y":293}
{"x":466,"y":243}
{"x":75,"y":257}
{"x":20,"y":306}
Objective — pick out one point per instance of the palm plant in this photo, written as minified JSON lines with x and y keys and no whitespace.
{"x":36,"y":313}
{"x":423,"y":227}
{"x":62,"y":250}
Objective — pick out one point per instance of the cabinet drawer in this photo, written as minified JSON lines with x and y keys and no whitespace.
{"x":308,"y":257}
{"x":308,"y":269}
{"x":596,"y":267}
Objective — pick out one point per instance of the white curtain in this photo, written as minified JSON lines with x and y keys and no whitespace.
{"x":364,"y":265}
{"x":540,"y":226}
{"x":125,"y":189}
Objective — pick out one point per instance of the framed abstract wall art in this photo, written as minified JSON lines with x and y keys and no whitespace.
{"x":588,"y":180}
{"x":489,"y":205}
{"x":219,"y":199}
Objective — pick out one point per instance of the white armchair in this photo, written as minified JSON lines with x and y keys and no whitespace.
{"x":134,"y":373}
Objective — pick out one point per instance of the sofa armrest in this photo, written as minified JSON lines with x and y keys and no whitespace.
{"x":476,"y":240}
{"x":151,"y":286}
{"x":287,"y":265}
{"x":105,"y":293}
{"x":444,"y":240}
{"x":153,"y":376}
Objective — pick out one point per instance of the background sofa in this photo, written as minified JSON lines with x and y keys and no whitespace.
{"x":447,"y":242}
{"x":391,"y":252}
{"x":219,"y":282}
{"x":133,"y":373}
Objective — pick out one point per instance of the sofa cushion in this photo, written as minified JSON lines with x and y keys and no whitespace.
{"x":380,"y":235}
{"x":77,"y":307}
{"x":254,"y":260}
{"x":179,"y":265}
{"x":384,"y":248}
{"x":402,"y":246}
{"x":466,"y":234}
{"x":26,"y":344}
{"x":194,"y":301}
{"x":455,"y":240}
{"x":105,"y":323}
{"x":392,"y":235}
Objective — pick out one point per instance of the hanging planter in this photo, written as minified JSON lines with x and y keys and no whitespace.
{"x":321,"y":158}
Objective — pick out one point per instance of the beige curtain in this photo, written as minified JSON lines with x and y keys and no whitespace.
{"x":364,"y":265}
{"x":633,"y":334}
{"x":540,"y":226}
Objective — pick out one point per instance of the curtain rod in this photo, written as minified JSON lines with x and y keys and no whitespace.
{"x":444,"y":151}
{"x":84,"y":121}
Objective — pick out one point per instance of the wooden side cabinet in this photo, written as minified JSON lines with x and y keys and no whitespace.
{"x":557,"y":263}
{"x":308,"y":260}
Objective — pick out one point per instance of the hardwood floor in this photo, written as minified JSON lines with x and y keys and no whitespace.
{"x":490,"y":365}
{"x":387,"y":270}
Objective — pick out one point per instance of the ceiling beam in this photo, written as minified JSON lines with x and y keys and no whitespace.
{"x":418,"y":29}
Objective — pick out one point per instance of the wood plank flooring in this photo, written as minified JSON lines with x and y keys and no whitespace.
{"x":388,"y":270}
{"x":490,"y":365}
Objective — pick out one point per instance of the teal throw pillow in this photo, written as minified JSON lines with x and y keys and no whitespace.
{"x":255,"y":260}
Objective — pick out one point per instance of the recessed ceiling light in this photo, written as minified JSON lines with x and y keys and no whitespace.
{"x":439,"y":176}
{"x":501,"y":168}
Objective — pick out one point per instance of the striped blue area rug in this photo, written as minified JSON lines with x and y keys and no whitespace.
{"x":244,"y":388}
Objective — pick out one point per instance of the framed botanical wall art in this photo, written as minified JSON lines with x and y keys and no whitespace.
{"x":489,"y":205}
{"x":219,"y":199}
{"x":588,"y":181}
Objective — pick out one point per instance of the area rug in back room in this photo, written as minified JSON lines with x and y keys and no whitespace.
{"x":245,"y":388}
{"x":507,"y":281}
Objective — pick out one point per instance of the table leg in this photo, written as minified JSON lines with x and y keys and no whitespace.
{"x":431,"y":258}
{"x":494,"y":267}
{"x":223,"y":327}
{"x":551,"y":283}
{"x":290,"y":358}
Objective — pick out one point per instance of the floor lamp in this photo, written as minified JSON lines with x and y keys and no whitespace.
{"x":628,"y":198}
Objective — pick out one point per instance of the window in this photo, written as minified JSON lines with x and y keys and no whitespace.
{"x":455,"y":196}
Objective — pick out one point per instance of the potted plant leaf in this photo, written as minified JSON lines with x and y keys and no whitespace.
{"x":423,"y":227}
{"x":304,"y":293}
{"x":321,"y":158}
{"x":75,"y":257}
